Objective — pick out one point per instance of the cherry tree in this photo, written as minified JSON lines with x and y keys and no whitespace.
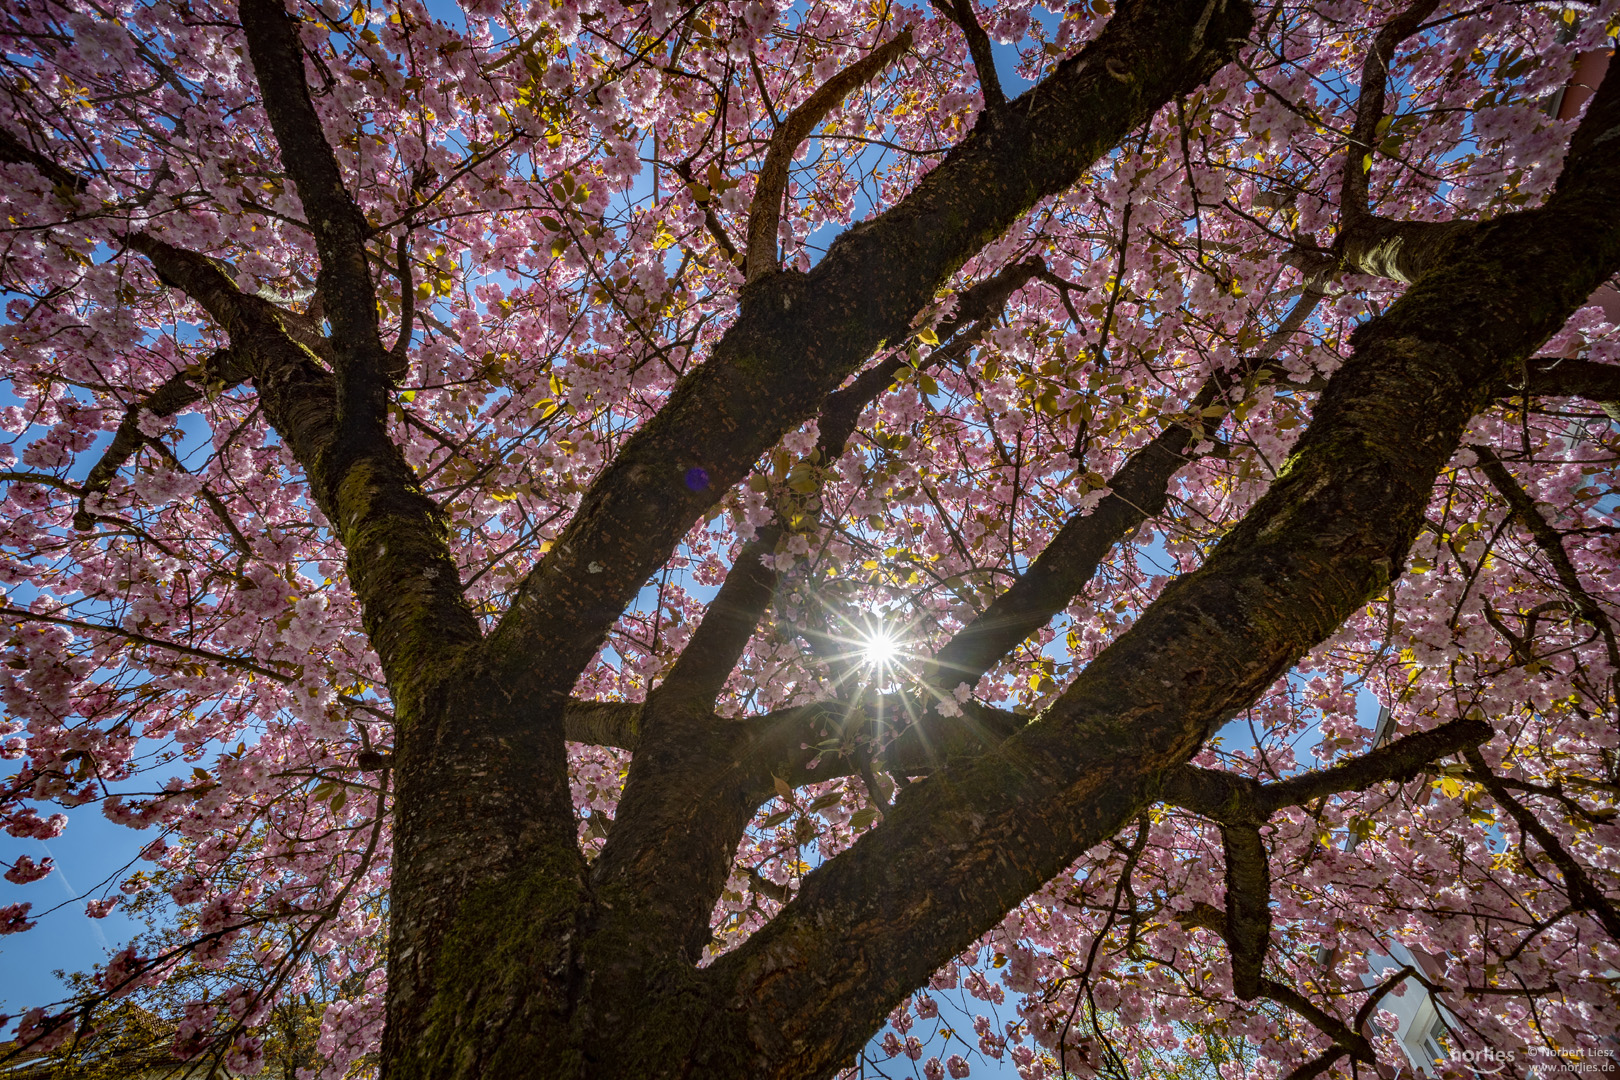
{"x":632,"y":538}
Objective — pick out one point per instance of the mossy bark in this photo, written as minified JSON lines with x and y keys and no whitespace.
{"x":480,"y":758}
{"x":511,"y":959}
{"x":509,"y":956}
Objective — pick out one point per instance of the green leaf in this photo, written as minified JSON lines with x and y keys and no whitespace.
{"x":862,"y":818}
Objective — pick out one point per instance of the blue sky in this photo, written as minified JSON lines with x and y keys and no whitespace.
{"x":92,"y":851}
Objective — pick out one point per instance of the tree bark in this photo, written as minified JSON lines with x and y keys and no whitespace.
{"x":507,"y":956}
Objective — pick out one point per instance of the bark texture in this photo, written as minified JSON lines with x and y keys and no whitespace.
{"x":510,"y":956}
{"x":463,"y":840}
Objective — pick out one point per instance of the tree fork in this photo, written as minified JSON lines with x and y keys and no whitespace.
{"x":797,"y":336}
{"x":963,"y":846}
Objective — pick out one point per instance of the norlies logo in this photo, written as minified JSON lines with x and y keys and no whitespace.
{"x":1542,"y":1060}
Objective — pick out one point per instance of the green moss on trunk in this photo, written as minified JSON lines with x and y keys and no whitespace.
{"x":500,"y":1003}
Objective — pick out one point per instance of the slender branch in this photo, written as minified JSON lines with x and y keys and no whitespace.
{"x":961,"y":13}
{"x":14,"y":151}
{"x":1551,"y":544}
{"x":1389,"y":983}
{"x":1207,"y":917}
{"x":711,"y":220}
{"x":13,"y":476}
{"x":1399,"y":760}
{"x":1583,"y":891}
{"x":223,"y":370}
{"x":398,"y":365}
{"x":146,"y":639}
{"x":765,"y":212}
{"x":1342,"y":1034}
{"x":1370,"y":107}
{"x":1319,"y":1064}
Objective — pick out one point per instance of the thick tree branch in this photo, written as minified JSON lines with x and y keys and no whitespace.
{"x":798,"y":335}
{"x":340,"y":228}
{"x":1215,"y":794}
{"x":1400,"y":250}
{"x":1400,"y":760}
{"x":1552,"y":376}
{"x":483,"y":791}
{"x":1137,"y":491}
{"x":399,"y":557}
{"x":765,"y":212}
{"x":1583,"y":891}
{"x":1248,"y":906}
{"x":697,"y":779}
{"x":1241,"y":800}
{"x":1332,"y":532}
{"x":603,"y":723}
